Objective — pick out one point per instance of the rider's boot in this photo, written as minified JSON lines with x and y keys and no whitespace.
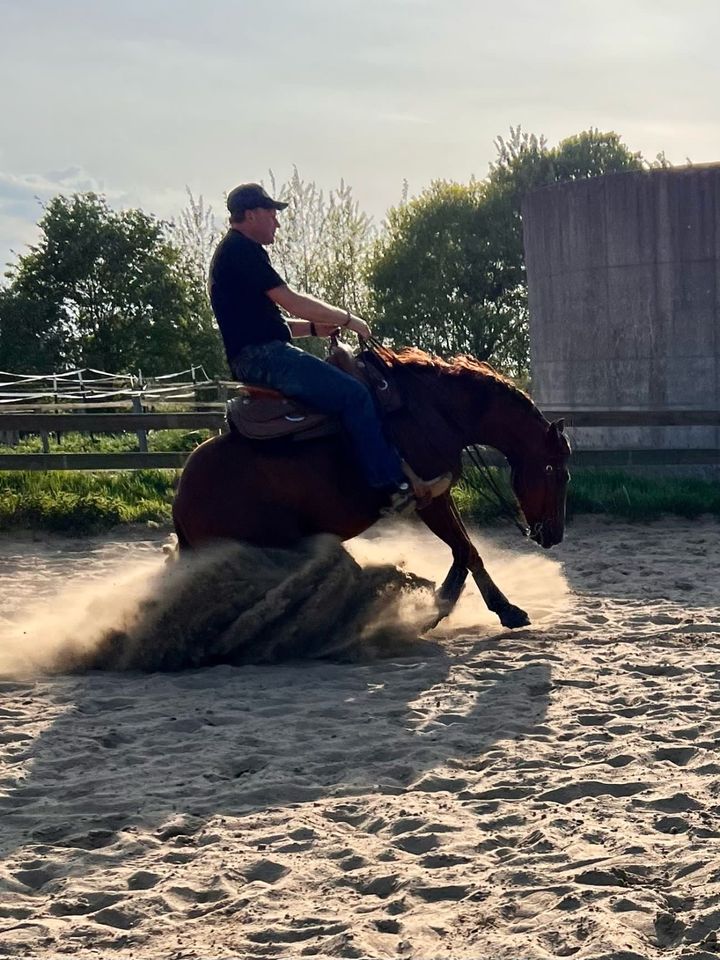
{"x":408,"y":497}
{"x":402,"y":503}
{"x":425,"y":491}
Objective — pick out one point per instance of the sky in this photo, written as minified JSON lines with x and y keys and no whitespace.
{"x":143,"y":99}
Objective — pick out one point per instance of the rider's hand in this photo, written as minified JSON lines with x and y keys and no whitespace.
{"x":358,"y":326}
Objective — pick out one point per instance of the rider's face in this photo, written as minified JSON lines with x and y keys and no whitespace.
{"x":264,"y":224}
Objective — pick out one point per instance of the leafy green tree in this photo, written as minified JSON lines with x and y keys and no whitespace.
{"x":438,"y":281}
{"x":525,"y":162}
{"x":108,"y":290}
{"x":448,"y":272}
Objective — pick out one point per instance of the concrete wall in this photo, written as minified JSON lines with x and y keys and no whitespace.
{"x":624,"y":287}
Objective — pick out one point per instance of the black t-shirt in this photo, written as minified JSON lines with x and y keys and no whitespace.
{"x":240,"y":276}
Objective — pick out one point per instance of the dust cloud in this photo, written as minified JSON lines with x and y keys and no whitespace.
{"x":528,"y":575}
{"x":233,"y":603}
{"x":238,"y":604}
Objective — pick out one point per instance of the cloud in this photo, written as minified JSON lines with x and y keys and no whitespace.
{"x":21,"y":195}
{"x":153,"y":96}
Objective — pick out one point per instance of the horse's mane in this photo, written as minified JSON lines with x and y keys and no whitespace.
{"x":462,"y":365}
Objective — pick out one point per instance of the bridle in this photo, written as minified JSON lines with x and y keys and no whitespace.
{"x":553,"y":470}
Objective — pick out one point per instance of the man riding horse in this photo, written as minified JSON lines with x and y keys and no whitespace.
{"x":246,"y":293}
{"x":237,"y":488}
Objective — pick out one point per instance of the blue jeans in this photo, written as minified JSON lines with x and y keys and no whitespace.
{"x":303,"y":377}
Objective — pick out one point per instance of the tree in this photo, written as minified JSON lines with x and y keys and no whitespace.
{"x":323,"y":244}
{"x":448,"y":272}
{"x":104,"y":289}
{"x":525,"y":162}
{"x":196,"y":233}
{"x":438,"y":282}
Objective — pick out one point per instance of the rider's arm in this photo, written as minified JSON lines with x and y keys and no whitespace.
{"x":325,"y":317}
{"x":303,"y":328}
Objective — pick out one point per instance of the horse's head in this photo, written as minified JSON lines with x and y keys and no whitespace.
{"x":539,"y":479}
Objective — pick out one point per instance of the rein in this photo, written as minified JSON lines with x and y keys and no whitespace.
{"x":507,"y":508}
{"x":497,"y":497}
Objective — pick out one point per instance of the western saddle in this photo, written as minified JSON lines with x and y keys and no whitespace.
{"x":260,"y":413}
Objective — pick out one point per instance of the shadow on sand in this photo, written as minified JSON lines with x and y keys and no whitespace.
{"x":136,"y":765}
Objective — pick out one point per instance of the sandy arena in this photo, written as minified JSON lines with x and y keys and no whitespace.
{"x":548,"y":792}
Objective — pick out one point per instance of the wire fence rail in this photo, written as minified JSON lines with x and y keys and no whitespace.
{"x":88,"y":400}
{"x":89,"y":389}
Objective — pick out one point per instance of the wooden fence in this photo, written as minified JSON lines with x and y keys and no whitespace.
{"x":95,"y":401}
{"x":89,"y":422}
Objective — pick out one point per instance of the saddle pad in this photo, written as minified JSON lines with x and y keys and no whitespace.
{"x":264,"y":414}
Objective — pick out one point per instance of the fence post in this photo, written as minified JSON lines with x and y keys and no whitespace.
{"x":141,"y":434}
{"x":83,"y":397}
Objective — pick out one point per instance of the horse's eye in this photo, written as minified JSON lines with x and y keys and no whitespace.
{"x":549,"y":468}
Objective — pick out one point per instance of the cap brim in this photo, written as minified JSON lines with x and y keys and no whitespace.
{"x":266,"y":203}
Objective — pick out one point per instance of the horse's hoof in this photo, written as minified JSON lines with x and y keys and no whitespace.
{"x":514,"y":617}
{"x":442,"y":610}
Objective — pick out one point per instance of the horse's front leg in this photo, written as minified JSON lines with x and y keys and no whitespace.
{"x":445,"y":522}
{"x":510,"y":615}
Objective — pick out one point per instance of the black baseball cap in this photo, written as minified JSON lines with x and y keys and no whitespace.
{"x":250,"y":196}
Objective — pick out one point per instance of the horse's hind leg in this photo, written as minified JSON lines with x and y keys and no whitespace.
{"x":452,"y":586}
{"x":438,"y":517}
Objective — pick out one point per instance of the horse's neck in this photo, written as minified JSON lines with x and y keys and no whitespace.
{"x":492,"y":414}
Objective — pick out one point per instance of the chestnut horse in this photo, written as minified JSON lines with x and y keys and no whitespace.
{"x":274,"y":492}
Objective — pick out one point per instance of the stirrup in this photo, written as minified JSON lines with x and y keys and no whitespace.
{"x":403,"y":503}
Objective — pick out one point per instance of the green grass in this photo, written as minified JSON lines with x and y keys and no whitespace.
{"x":159,"y":441}
{"x":77,"y":502}
{"x":641,"y":497}
{"x":85,"y":502}
{"x":475,"y":499}
{"x":80,"y":502}
{"x":614,"y":493}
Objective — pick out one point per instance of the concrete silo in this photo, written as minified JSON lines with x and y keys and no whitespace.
{"x":624,"y":286}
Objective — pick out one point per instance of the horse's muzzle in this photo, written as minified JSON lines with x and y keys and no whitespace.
{"x":547,"y":534}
